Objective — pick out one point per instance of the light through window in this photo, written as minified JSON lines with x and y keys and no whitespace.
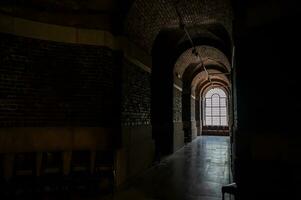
{"x":215,"y":108}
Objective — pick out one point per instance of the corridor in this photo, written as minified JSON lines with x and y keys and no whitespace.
{"x":195,"y":172}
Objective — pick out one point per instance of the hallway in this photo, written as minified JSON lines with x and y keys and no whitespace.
{"x":195,"y":172}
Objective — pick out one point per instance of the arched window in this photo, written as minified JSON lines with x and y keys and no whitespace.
{"x":215,"y":108}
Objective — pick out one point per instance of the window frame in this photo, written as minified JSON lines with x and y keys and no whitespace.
{"x":209,"y":118}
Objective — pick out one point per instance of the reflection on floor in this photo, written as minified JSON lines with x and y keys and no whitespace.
{"x":195,"y":172}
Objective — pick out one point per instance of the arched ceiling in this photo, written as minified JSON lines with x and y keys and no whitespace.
{"x":201,"y":80}
{"x":140,"y":20}
{"x":200,"y":77}
{"x":189,"y":69}
{"x":205,"y":85}
{"x":209,"y":56}
{"x":147,"y":17}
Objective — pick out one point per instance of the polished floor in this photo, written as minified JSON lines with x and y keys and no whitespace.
{"x":195,"y":172}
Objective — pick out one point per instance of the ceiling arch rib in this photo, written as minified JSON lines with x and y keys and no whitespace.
{"x":147,"y":17}
{"x":193,"y":70}
{"x":209,"y":56}
{"x":206,"y":85}
{"x":202,"y":87}
{"x":201,"y":77}
{"x":213,"y":67}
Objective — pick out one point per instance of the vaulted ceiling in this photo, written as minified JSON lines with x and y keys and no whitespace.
{"x":141,"y":21}
{"x":146,"y":18}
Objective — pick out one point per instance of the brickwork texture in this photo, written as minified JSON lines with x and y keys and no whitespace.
{"x":47,"y":83}
{"x":136,"y":96}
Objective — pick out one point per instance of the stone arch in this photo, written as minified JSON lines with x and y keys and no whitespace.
{"x":154,"y":26}
{"x":188,"y":72}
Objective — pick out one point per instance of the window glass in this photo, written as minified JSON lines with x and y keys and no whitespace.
{"x":216,"y":108}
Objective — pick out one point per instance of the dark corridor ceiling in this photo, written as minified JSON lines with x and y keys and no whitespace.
{"x":251,"y":12}
{"x":142,"y":20}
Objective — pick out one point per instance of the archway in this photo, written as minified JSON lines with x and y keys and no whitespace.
{"x":178,"y":77}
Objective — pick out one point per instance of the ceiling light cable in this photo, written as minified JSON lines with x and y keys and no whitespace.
{"x":194,"y":50}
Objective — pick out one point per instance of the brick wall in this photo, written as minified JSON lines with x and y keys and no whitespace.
{"x":45,"y":83}
{"x":147,"y":17}
{"x":177,"y":105}
{"x":136,"y":96}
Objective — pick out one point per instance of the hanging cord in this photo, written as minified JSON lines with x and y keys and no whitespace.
{"x":232,"y":187}
{"x":194,"y":50}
